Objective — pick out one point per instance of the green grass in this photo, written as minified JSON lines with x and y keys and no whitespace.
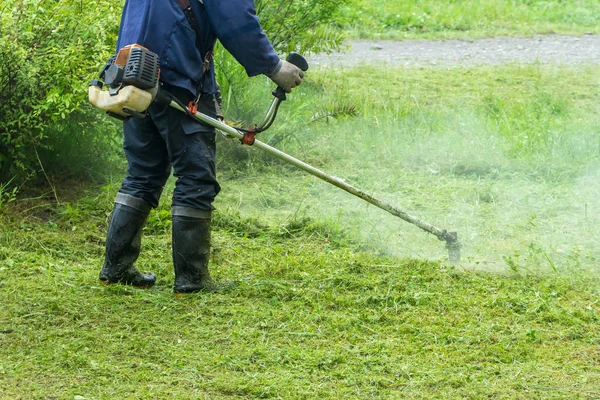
{"x":336,"y":299}
{"x":394,"y":19}
{"x":508,"y":156}
{"x":308,"y":319}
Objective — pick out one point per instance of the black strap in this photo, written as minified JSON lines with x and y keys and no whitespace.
{"x":184,"y":4}
{"x":189,"y":15}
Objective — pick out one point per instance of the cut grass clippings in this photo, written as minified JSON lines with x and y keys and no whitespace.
{"x":308,"y":319}
{"x":509,"y":156}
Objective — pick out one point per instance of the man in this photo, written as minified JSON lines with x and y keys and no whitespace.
{"x":182,"y":33}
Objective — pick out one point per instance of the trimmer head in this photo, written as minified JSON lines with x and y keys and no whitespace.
{"x":453,"y":246}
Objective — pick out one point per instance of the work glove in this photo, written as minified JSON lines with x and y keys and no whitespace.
{"x":288,"y":77}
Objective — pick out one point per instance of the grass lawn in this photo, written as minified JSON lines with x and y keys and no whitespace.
{"x":335,"y":299}
{"x":308,"y":319}
{"x":395,"y":19}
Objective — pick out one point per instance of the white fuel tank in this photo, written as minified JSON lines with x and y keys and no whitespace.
{"x":129,"y":97}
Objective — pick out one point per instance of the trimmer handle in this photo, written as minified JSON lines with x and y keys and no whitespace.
{"x":299,"y":62}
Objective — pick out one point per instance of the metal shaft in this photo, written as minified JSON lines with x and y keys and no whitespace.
{"x":450,"y":238}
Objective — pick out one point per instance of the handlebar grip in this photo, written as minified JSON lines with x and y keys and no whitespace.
{"x":298,"y":61}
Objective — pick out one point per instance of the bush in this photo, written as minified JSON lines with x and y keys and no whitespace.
{"x":49,"y":50}
{"x":304,"y":26}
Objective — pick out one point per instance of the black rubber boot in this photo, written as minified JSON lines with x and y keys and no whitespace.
{"x":123,"y":243}
{"x":191,"y":250}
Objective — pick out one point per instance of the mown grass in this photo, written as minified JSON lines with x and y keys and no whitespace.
{"x":335,"y":299}
{"x":309,"y":318}
{"x":393,"y":19}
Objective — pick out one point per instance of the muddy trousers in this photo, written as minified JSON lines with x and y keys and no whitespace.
{"x":168,"y":140}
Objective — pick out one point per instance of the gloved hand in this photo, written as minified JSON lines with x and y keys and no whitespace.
{"x":288,"y":77}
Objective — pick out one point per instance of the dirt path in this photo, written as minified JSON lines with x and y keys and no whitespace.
{"x":542,"y":49}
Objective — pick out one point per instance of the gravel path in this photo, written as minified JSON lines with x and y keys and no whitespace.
{"x":543,"y":49}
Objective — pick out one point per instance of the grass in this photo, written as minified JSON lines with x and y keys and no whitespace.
{"x":429,"y":19}
{"x":508,"y":156}
{"x":331,"y":300}
{"x":335,"y":299}
{"x":309,"y":318}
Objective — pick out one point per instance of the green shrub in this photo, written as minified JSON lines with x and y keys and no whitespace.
{"x":304,"y":26}
{"x":49,"y":50}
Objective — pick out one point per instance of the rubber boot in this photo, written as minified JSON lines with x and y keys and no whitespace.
{"x":191,"y":250}
{"x":123,"y":243}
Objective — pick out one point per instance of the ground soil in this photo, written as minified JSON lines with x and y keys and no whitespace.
{"x":442,"y":53}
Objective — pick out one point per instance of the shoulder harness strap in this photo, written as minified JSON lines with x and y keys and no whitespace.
{"x":189,"y":15}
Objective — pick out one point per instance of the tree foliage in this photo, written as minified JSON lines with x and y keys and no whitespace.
{"x":49,"y":49}
{"x":301,"y":25}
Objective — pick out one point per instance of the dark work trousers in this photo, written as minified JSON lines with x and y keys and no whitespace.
{"x":167,"y":138}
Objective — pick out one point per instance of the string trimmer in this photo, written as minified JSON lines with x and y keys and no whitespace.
{"x":132,"y":78}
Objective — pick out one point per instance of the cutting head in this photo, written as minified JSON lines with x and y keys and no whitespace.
{"x":453,"y":246}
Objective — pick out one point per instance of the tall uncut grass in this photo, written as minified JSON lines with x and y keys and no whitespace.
{"x":468,"y":19}
{"x":506,"y":155}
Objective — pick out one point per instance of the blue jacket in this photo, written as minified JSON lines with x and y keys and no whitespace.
{"x":161,"y":26}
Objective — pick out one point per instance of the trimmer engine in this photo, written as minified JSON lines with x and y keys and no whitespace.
{"x":134,"y":65}
{"x":132,"y":79}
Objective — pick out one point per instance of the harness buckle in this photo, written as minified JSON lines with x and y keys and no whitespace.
{"x":193,"y":106}
{"x":249,"y":137}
